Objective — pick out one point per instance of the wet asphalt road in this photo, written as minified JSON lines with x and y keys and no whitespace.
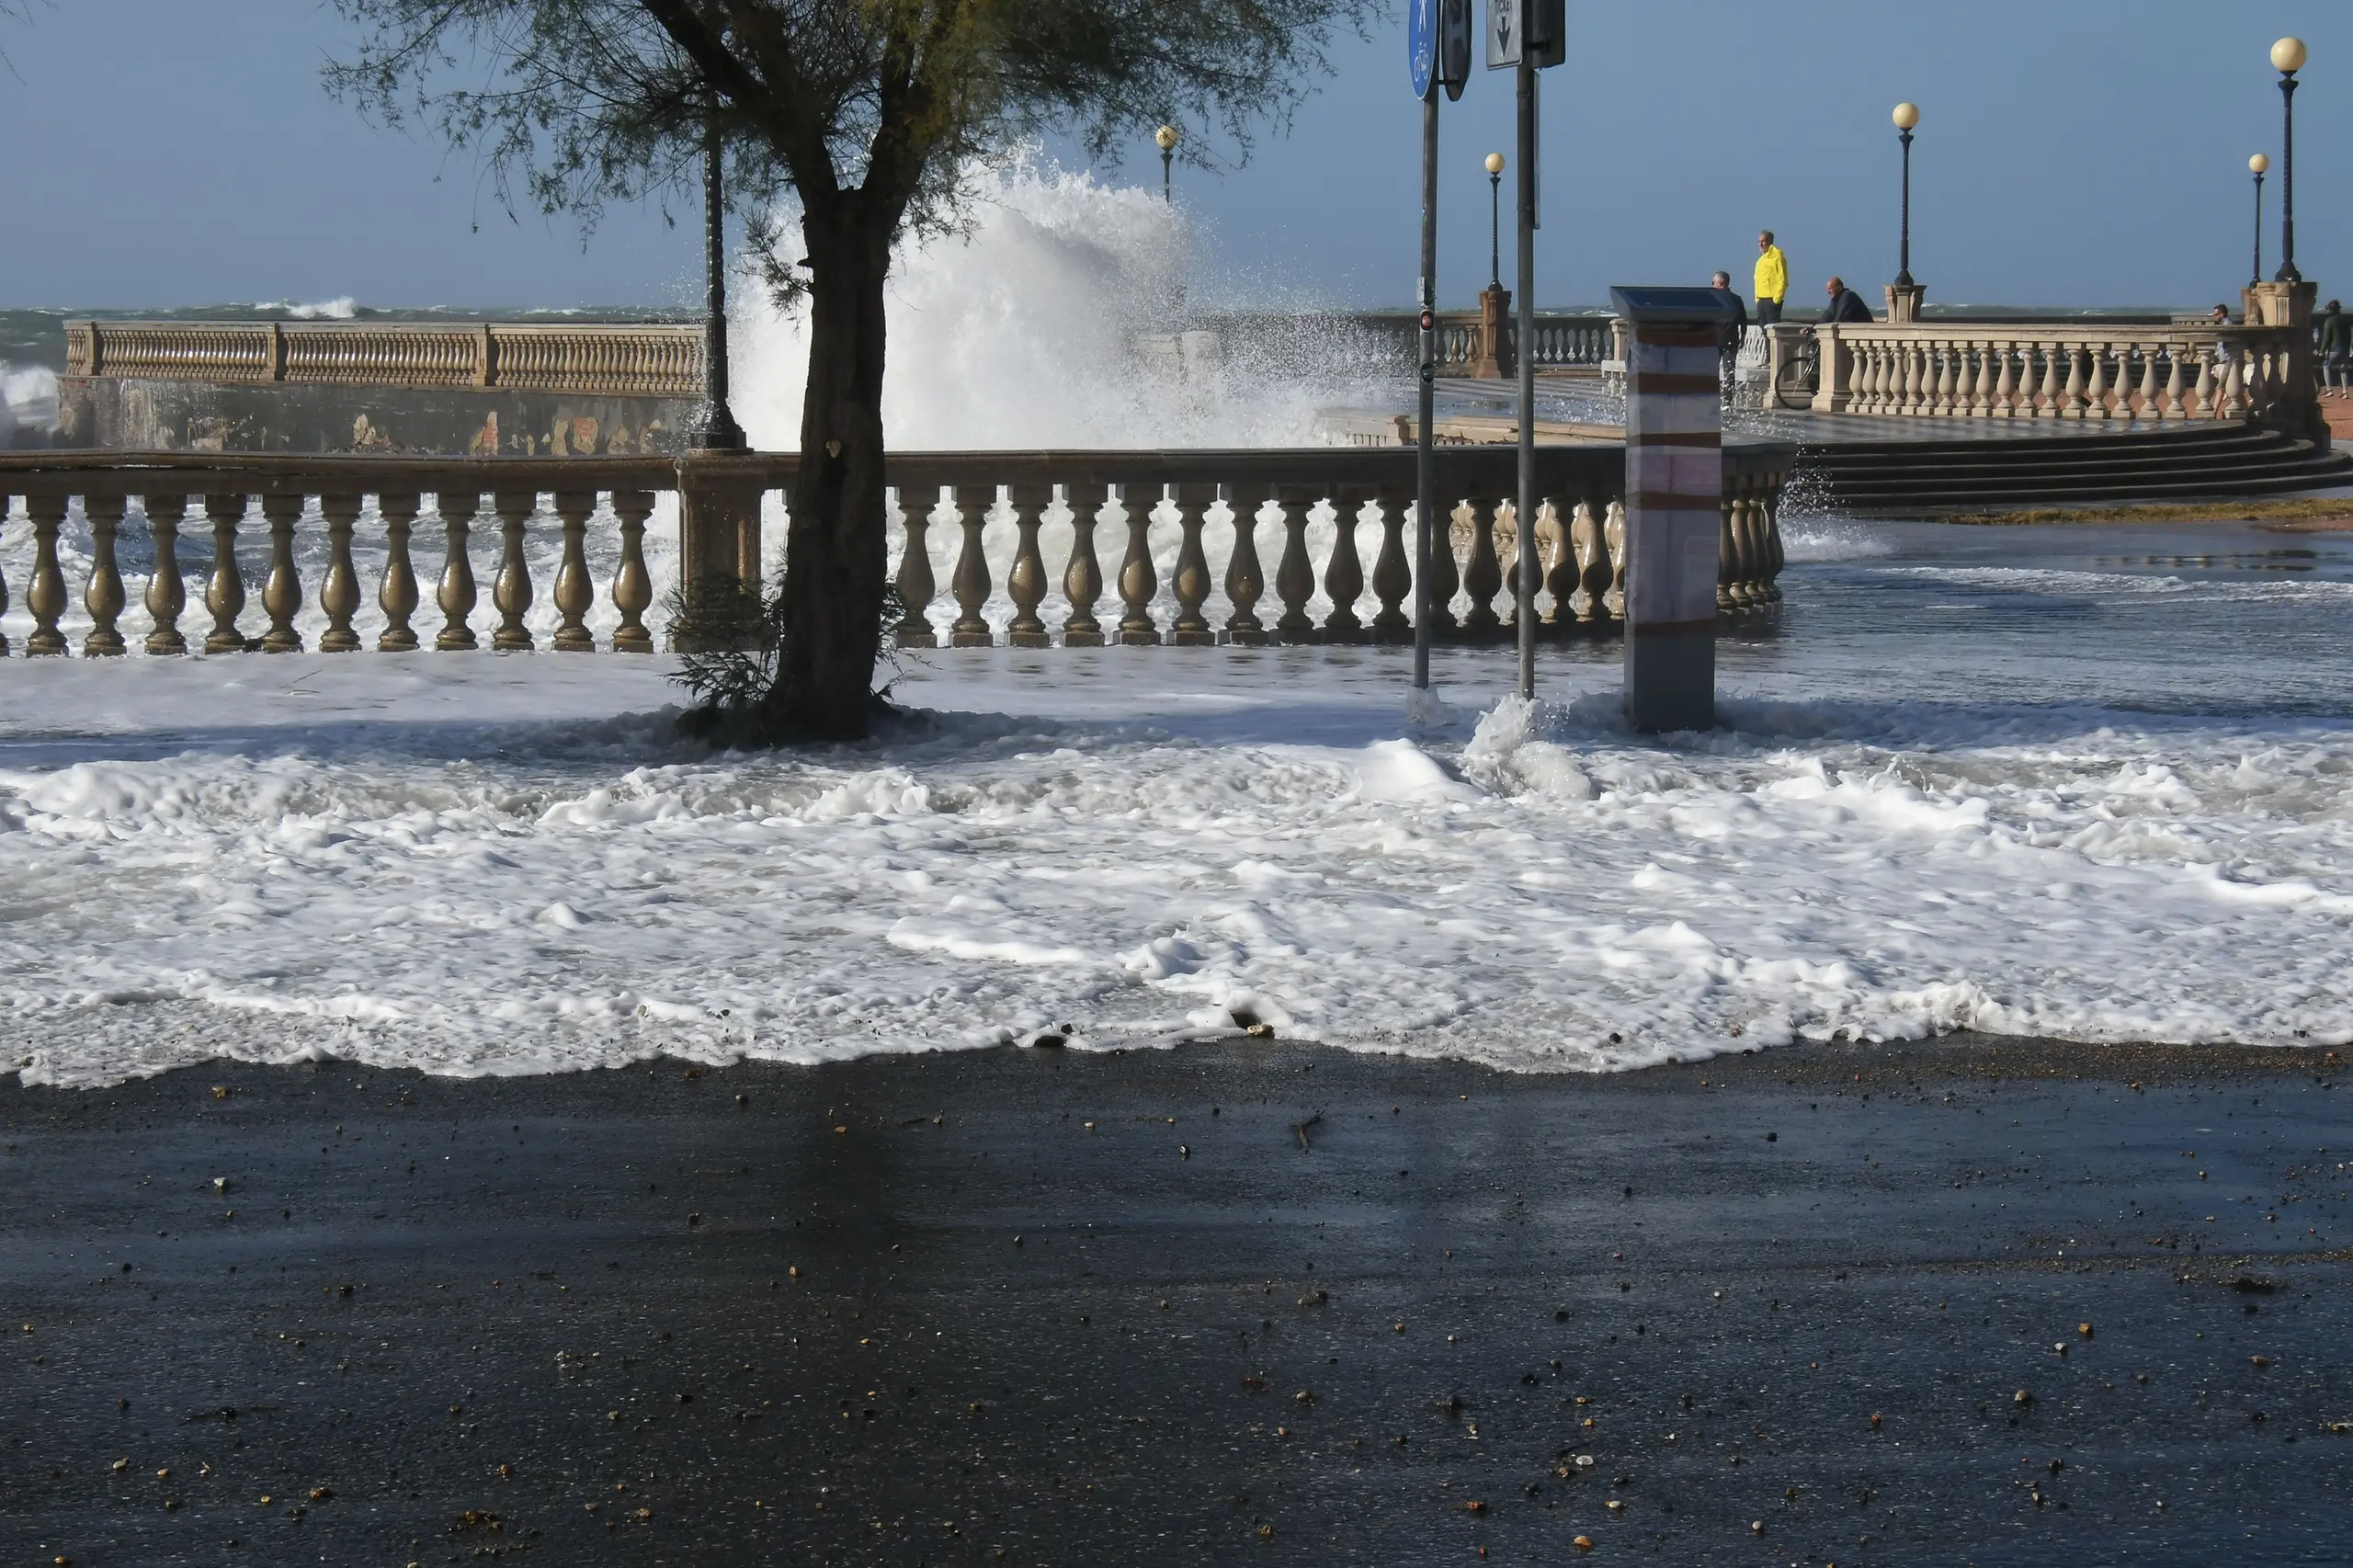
{"x":1247,"y":1302}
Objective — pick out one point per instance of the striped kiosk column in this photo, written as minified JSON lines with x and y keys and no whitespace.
{"x":1674,"y":504}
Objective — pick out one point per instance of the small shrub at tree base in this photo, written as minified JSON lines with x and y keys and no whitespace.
{"x":730,"y":640}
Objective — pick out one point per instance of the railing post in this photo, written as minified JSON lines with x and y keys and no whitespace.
{"x":632,"y":586}
{"x":103,"y":595}
{"x":456,"y":594}
{"x":510,"y":590}
{"x":1482,"y":578}
{"x":1344,"y":573}
{"x":1082,"y":574}
{"x":1245,"y":580}
{"x":1026,"y":584}
{"x":1831,"y":393}
{"x":916,"y":584}
{"x":224,"y":593}
{"x":167,"y":595}
{"x":396,"y":594}
{"x":1139,"y":582}
{"x":719,"y":527}
{"x":1294,"y":573}
{"x":339,"y":592}
{"x":281,"y":591}
{"x":575,"y":591}
{"x":45,"y":597}
{"x":1190,"y":580}
{"x":1493,"y":360}
{"x":1393,"y":577}
{"x":970,"y":578}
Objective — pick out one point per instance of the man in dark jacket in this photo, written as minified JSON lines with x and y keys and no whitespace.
{"x":1732,"y":333}
{"x":1845,"y":305}
{"x":2334,"y":329}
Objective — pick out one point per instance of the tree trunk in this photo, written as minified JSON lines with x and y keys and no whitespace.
{"x":835,"y":551}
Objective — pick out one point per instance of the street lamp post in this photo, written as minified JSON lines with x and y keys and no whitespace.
{"x":720,"y":431}
{"x":1494,"y":220}
{"x":2288,"y":57}
{"x":1906,"y":117}
{"x":2260,"y":165}
{"x":1166,"y":137}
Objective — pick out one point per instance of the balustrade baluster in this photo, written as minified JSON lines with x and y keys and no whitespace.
{"x":1729,"y":594}
{"x":396,"y":595}
{"x":1445,"y":579}
{"x":510,"y":590}
{"x":1189,"y":580}
{"x":632,"y":585}
{"x":1245,"y":581}
{"x":1613,"y":534}
{"x":916,"y":586}
{"x":2073,"y":402}
{"x":1082,"y":574}
{"x":102,"y":595}
{"x":1980,"y":400}
{"x":2176,"y":377}
{"x":1393,"y":577}
{"x":1026,"y":584}
{"x":281,"y":591}
{"x":1948,"y":374}
{"x":2233,"y":385}
{"x":2150,"y":407}
{"x":1484,"y":578}
{"x":2006,"y":386}
{"x":1590,"y":561}
{"x":339,"y":591}
{"x":166,"y":594}
{"x":1344,"y":573}
{"x":2052,"y":403}
{"x":575,"y":591}
{"x":456,"y":595}
{"x":46,"y":594}
{"x":2206,"y":390}
{"x":1294,"y":573}
{"x":224,"y":593}
{"x":1138,"y":581}
{"x":1559,"y":579}
{"x":2095,"y":394}
{"x":970,"y":581}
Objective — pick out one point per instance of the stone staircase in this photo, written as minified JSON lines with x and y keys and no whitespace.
{"x":2189,"y":462}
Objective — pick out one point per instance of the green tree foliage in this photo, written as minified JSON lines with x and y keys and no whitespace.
{"x":860,"y":116}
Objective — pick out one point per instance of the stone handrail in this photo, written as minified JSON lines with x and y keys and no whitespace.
{"x":648,"y":360}
{"x":303,"y":502}
{"x":2073,"y":371}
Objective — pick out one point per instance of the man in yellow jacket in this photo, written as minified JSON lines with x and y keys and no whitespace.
{"x":1772,"y":280}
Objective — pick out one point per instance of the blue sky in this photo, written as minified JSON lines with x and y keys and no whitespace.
{"x":2071,"y":151}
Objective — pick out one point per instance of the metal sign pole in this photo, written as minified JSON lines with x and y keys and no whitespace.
{"x":1424,"y":464}
{"x":1524,"y":576}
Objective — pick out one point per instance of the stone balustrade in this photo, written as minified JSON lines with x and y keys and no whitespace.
{"x":2010,"y":371}
{"x":633,"y":360}
{"x":282,"y":530}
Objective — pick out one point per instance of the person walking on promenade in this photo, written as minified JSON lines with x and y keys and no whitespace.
{"x":1772,"y":280}
{"x":2335,"y":329}
{"x":1731,"y":335}
{"x":1845,"y":305}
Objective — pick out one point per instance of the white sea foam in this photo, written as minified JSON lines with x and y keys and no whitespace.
{"x":385,"y":859}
